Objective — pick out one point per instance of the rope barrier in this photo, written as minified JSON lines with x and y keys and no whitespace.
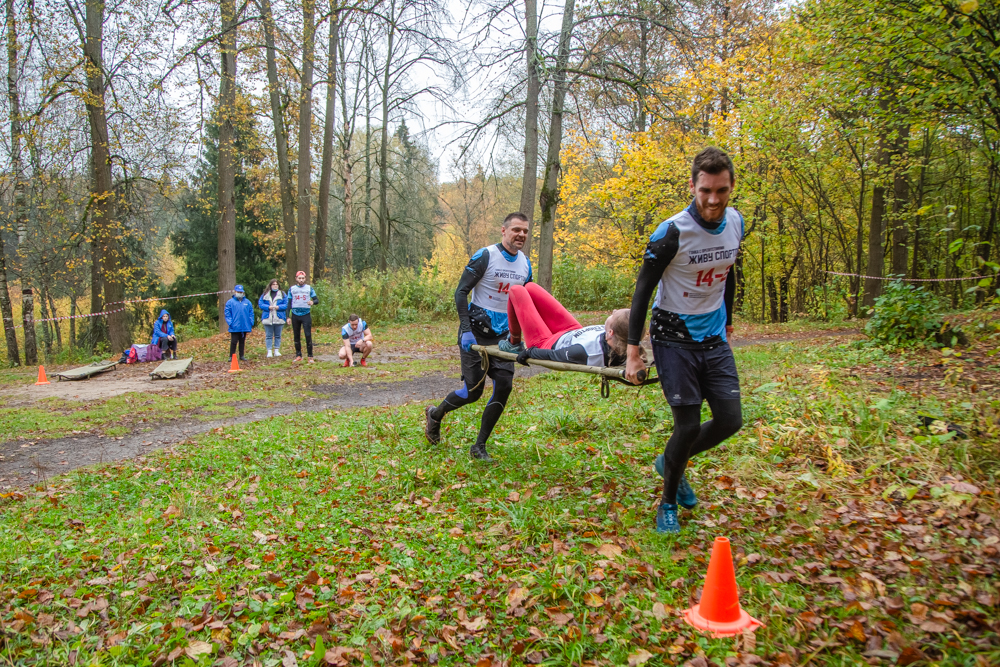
{"x":118,"y":310}
{"x":909,"y":280}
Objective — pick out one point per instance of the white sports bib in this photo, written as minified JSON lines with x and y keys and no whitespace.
{"x":491,"y":292}
{"x":695,"y":281}
{"x":354,"y":336}
{"x":589,"y":338}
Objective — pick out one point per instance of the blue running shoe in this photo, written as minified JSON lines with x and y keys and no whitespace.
{"x":666,"y":519}
{"x":686,"y":497}
{"x":506,"y":346}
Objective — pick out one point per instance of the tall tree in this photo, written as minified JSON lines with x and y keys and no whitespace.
{"x":549,"y":198}
{"x":383,"y":162}
{"x":281,"y":144}
{"x":106,"y":229}
{"x":14,"y":108}
{"x":326,"y":167}
{"x":529,"y":181}
{"x":304,"y":181}
{"x":227,"y":140}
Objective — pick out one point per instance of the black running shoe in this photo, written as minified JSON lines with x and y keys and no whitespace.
{"x":432,"y":429}
{"x":478,"y":452}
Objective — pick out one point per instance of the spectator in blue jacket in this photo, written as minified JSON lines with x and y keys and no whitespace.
{"x":239,"y":319}
{"x":163,"y":335}
{"x":272,"y":304}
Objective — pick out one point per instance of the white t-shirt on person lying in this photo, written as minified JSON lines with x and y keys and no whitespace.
{"x":589,"y":338}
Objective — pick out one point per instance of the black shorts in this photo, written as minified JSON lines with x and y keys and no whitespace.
{"x":690,"y":376}
{"x":355,"y":349}
{"x":472,"y":369}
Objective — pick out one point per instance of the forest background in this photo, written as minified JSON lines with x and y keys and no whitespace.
{"x":159,"y":150}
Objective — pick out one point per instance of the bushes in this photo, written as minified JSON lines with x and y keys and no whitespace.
{"x":579,"y":287}
{"x":906,"y":314}
{"x":405,"y":295}
{"x":402,"y":295}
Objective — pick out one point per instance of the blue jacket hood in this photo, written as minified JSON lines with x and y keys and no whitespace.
{"x":162,"y":313}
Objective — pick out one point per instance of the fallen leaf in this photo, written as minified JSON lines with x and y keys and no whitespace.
{"x":639,"y":657}
{"x":474,"y":625}
{"x":659,"y":611}
{"x":610,"y":550}
{"x":857,"y":632}
{"x":965,"y":487}
{"x":910,"y":655}
{"x":592,"y":599}
{"x":933,"y":626}
{"x":515,"y":596}
{"x":197,"y":647}
{"x":340,"y":655}
{"x":559,"y":618}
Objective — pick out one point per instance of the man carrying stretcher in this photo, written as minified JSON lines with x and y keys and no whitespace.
{"x":688,"y":262}
{"x":481,"y":300}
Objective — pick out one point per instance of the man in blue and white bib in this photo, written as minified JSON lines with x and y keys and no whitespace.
{"x":358,"y":339}
{"x":481,"y":300}
{"x":689,"y":261}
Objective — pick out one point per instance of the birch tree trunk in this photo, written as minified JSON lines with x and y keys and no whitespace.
{"x":227,"y":149}
{"x":105,"y":230}
{"x":326,"y":168}
{"x":549,"y":198}
{"x":529,"y":180}
{"x":281,"y":144}
{"x":304,"y":182}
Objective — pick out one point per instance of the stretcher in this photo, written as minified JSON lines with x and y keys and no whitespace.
{"x":606,"y":373}
{"x":171,"y":368}
{"x":84,"y":372}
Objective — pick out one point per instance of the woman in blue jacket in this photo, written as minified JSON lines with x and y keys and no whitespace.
{"x":272,"y":304}
{"x":239,"y":319}
{"x":163,"y":335}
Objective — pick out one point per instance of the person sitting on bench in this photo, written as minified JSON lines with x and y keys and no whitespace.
{"x":163,"y":335}
{"x":551,"y":333}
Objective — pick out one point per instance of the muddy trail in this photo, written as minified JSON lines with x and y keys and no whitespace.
{"x":25,"y":462}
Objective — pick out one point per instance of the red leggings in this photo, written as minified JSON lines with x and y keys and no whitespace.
{"x":537,"y":315}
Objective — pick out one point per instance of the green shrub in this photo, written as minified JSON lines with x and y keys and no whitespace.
{"x":904,"y":314}
{"x":579,"y":287}
{"x":400,"y":295}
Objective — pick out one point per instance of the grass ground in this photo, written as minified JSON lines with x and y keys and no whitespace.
{"x":860,"y":534}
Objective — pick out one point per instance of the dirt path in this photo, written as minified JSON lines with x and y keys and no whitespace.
{"x":23,"y":463}
{"x":26,"y":462}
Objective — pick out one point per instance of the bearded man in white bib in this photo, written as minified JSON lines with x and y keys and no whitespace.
{"x":689,"y":261}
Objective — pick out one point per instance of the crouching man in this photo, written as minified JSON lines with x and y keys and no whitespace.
{"x":358,"y":339}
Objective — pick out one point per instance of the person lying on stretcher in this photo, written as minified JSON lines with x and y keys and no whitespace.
{"x":551,"y":333}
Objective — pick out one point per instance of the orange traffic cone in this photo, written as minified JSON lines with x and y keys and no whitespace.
{"x":719,"y":611}
{"x":41,"y":376}
{"x":234,"y":367}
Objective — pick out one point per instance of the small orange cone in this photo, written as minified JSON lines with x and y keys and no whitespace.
{"x":41,"y":376}
{"x":234,"y":367}
{"x":719,"y":611}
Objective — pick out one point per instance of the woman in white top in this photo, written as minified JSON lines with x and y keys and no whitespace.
{"x":550,"y":332}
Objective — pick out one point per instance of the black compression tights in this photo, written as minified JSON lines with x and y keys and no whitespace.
{"x":691,"y":437}
{"x":502,"y":386}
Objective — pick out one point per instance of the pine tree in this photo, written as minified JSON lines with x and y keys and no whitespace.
{"x":197,"y":241}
